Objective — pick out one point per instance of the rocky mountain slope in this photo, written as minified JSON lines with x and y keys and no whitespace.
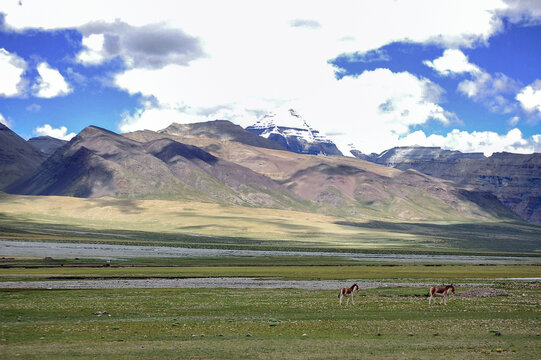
{"x":17,"y":157}
{"x":222,"y":163}
{"x":401,"y":157}
{"x":514,"y":178}
{"x":220,"y":129}
{"x":98,"y":162}
{"x":46,"y":144}
{"x":291,"y":131}
{"x":351,"y":187}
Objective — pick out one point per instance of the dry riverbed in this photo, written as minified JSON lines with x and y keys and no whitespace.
{"x":115,"y":252}
{"x":213,"y":282}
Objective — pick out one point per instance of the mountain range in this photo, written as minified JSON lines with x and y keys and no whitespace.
{"x":514,"y":178}
{"x":46,"y":144}
{"x":220,"y":162}
{"x":17,"y":157}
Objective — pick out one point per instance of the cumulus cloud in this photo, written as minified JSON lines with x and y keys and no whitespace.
{"x":59,"y":133}
{"x":492,"y":90}
{"x":12,"y":69}
{"x":150,"y":118}
{"x":455,"y":23}
{"x":93,"y":52}
{"x":234,"y":66}
{"x":522,"y":11}
{"x":453,"y":61}
{"x":373,"y":109}
{"x":530,"y":97}
{"x":149,"y":46}
{"x":50,"y":83}
{"x":487,"y":142}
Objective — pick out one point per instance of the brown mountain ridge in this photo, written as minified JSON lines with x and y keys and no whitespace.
{"x":213,"y":162}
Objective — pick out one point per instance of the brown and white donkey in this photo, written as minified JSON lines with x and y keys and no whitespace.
{"x":440,"y":291}
{"x":348,"y":292}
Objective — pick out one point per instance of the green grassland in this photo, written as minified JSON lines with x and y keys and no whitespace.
{"x":205,"y":225}
{"x":212,"y":323}
{"x":277,"y":323}
{"x":294,"y":268}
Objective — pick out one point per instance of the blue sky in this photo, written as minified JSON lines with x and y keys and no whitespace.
{"x":453,"y":74}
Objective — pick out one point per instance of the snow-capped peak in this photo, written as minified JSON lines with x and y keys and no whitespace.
{"x":284,"y":119}
{"x":289,"y":128}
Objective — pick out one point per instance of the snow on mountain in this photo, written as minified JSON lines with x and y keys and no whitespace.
{"x":292,"y":131}
{"x":402,"y":154}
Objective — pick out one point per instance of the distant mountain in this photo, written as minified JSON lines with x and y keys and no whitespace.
{"x":514,"y":178}
{"x":98,"y":162}
{"x":148,"y":164}
{"x":46,"y":144}
{"x":345,"y":186}
{"x":222,"y":130}
{"x":359,"y":155}
{"x":400,"y":156}
{"x":17,"y":157}
{"x":293,"y":132}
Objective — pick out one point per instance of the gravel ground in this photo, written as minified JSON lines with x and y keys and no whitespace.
{"x":483,"y":292}
{"x":220,"y":282}
{"x":105,"y":251}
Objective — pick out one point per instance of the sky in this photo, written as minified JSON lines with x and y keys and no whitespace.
{"x":460,"y":74}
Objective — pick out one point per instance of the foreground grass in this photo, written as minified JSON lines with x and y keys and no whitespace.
{"x":278,"y":323}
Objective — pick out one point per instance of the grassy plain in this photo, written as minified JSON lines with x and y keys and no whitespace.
{"x":277,"y":323}
{"x":216,"y":323}
{"x":294,"y":268}
{"x":204,"y":225}
{"x":219,"y":323}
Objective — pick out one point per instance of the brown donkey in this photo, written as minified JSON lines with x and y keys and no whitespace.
{"x":440,"y":291}
{"x":348,"y":292}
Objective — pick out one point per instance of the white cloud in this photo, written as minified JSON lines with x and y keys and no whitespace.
{"x":148,"y":46}
{"x":485,"y":84}
{"x":12,"y":69}
{"x":150,"y":118}
{"x":488,"y":89}
{"x":93,"y":52}
{"x":373,"y":109}
{"x":453,"y":23}
{"x":59,"y":133}
{"x":522,"y":11}
{"x":4,"y":121}
{"x":33,"y":108}
{"x":257,"y":61}
{"x":378,"y":107}
{"x":453,"y":61}
{"x":50,"y":83}
{"x":530,"y":97}
{"x":487,"y":142}
{"x":491,"y":90}
{"x":514,"y":120}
